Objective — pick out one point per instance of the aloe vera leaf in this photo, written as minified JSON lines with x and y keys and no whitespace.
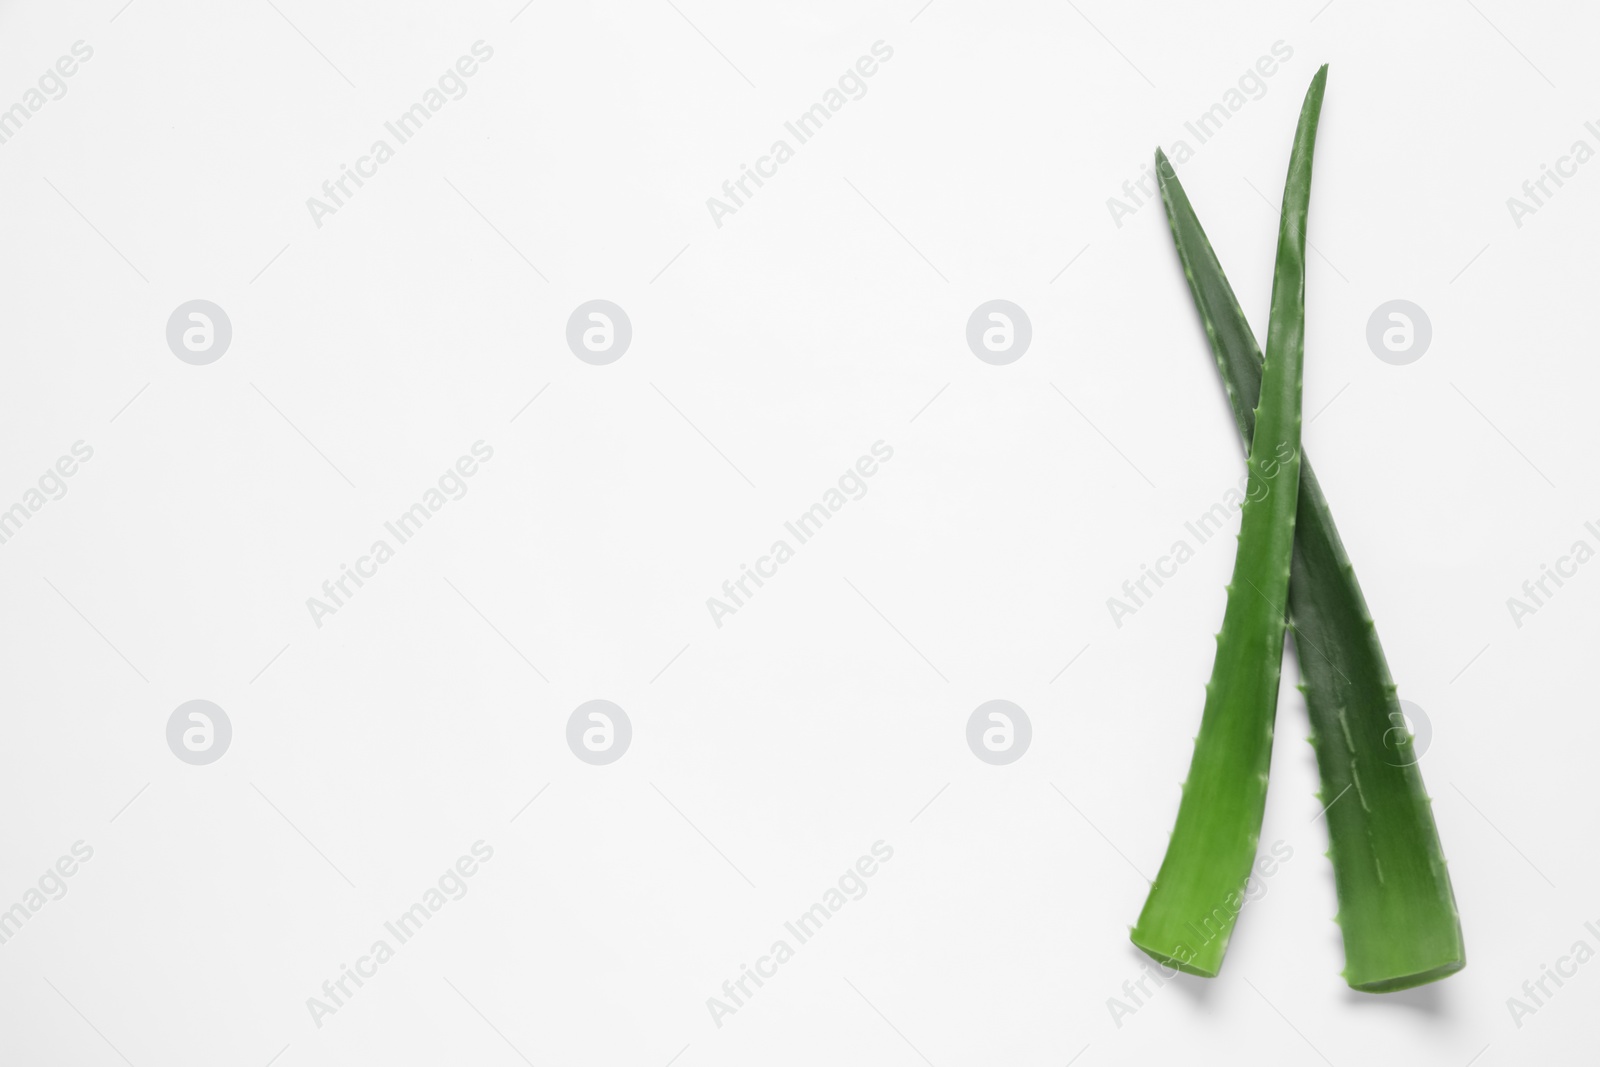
{"x":1396,"y":906}
{"x":1195,"y":900}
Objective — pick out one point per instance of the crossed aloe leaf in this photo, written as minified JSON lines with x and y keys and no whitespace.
{"x":1397,"y":910}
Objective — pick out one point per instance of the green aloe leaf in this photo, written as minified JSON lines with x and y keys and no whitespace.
{"x":1397,"y":910}
{"x":1196,"y":897}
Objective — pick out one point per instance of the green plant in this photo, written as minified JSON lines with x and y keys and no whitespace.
{"x":1190,"y":913}
{"x":1397,"y":910}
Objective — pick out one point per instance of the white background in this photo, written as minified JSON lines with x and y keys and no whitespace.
{"x":770,"y":753}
